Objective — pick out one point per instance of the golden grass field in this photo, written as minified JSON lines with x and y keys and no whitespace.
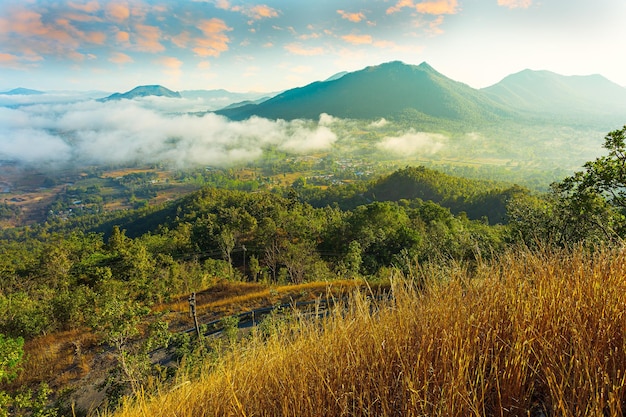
{"x":531,"y":334}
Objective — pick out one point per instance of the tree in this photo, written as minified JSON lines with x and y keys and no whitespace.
{"x":11,"y":353}
{"x":603,"y":180}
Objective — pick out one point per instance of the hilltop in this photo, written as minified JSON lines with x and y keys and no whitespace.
{"x":144,"y":91}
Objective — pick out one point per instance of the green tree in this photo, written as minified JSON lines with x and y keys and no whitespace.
{"x":11,"y":353}
{"x":602,"y":180}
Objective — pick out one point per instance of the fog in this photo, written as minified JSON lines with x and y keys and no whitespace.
{"x":152,"y":129}
{"x":413,"y":142}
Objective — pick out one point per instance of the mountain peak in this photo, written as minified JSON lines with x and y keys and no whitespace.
{"x":20,"y":91}
{"x":144,"y":91}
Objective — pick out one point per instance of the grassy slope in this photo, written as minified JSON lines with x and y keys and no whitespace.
{"x":530,"y":332}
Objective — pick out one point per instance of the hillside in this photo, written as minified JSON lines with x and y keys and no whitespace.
{"x":144,"y":91}
{"x":532,"y":334}
{"x":385,"y":90}
{"x":548,"y":94}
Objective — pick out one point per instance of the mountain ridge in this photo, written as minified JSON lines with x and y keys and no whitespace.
{"x":144,"y":91}
{"x":385,"y":90}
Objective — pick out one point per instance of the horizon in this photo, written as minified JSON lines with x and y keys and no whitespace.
{"x":22,"y":87}
{"x":116,"y":45}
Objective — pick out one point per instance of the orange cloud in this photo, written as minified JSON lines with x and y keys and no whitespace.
{"x":514,"y":4}
{"x":148,"y":38}
{"x":181,"y":40}
{"x":258,"y":12}
{"x":118,"y":11}
{"x":120,"y":58}
{"x":171,"y":63}
{"x":352,"y":17}
{"x":297,"y":49}
{"x":261,"y":11}
{"x":222,"y":4}
{"x":89,"y":7}
{"x":358,"y":39}
{"x":172,"y":66}
{"x":438,"y":7}
{"x":215,"y":40}
{"x":122,"y":37}
{"x":10,"y":61}
{"x":400,"y":5}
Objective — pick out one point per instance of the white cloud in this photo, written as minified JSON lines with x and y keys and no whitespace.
{"x":413,"y":142}
{"x":145,"y":130}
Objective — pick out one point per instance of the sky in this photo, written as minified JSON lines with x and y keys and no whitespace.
{"x":273,"y":45}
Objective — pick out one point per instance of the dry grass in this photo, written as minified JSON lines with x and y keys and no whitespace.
{"x":60,"y":358}
{"x":528,"y":335}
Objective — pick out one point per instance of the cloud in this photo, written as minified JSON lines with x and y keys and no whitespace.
{"x":120,"y":58}
{"x":401,"y":4}
{"x":117,"y":11}
{"x":215,"y":40}
{"x":171,"y":65}
{"x":438,"y":7}
{"x":412,"y":143}
{"x":514,"y":4}
{"x":258,"y":12}
{"x":298,"y":49}
{"x":122,"y":37}
{"x":147,"y":130}
{"x":434,"y":7}
{"x":357,"y":39}
{"x":88,"y":7}
{"x":352,"y":17}
{"x":147,"y":38}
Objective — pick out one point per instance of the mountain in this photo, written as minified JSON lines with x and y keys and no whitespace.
{"x":144,"y":91}
{"x":386,"y":90}
{"x":22,"y":92}
{"x":551,"y":94}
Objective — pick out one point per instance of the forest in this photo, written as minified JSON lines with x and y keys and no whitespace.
{"x":110,"y":274}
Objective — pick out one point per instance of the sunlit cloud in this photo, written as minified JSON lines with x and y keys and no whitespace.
{"x":298,"y":49}
{"x":352,"y":17}
{"x":120,"y":58}
{"x":435,"y":7}
{"x":215,"y":40}
{"x":122,"y":37}
{"x":88,"y":7}
{"x":357,"y":39}
{"x":181,"y":40}
{"x":401,"y":4}
{"x":148,"y":38}
{"x":438,"y":7}
{"x":118,"y":11}
{"x":515,"y":4}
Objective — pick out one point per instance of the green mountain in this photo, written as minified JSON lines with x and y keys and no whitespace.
{"x":388,"y":90}
{"x":144,"y":91}
{"x":545,"y":93}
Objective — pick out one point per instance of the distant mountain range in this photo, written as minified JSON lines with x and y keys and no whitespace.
{"x":22,"y":92}
{"x":396,"y":89}
{"x":144,"y":91}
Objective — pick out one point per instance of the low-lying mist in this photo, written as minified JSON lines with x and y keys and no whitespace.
{"x":153,"y":130}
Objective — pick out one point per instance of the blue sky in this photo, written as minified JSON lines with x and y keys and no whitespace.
{"x":114,"y":45}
